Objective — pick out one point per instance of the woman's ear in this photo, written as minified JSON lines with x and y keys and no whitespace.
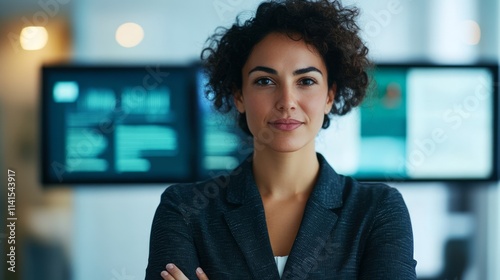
{"x":330,"y":98}
{"x":238,"y":101}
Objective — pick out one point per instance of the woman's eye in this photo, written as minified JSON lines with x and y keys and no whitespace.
{"x":307,"y":82}
{"x":264,"y":82}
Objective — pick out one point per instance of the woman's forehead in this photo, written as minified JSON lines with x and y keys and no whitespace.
{"x":278,"y":49}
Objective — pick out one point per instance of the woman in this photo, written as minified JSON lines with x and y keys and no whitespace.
{"x":284,"y":212}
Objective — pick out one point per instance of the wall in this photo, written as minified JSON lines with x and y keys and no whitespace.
{"x":395,"y":31}
{"x":105,"y":230}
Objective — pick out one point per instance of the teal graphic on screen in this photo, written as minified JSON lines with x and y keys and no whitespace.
{"x":118,"y":124}
{"x":419,"y":122}
{"x":154,"y":124}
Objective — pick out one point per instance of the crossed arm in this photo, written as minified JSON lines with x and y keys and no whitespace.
{"x":172,"y":272}
{"x":171,"y":244}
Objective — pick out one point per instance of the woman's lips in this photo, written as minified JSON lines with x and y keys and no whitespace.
{"x":286,"y":124}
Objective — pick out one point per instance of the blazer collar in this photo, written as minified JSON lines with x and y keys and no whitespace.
{"x":247,"y":222}
{"x":248,"y":225}
{"x":329,"y":186}
{"x":242,"y":183}
{"x":327,"y":190}
{"x":317,"y":224}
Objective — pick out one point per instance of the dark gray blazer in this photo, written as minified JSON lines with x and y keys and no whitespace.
{"x":350,"y":230}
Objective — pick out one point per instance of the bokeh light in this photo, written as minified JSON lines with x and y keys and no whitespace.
{"x":472,"y":32}
{"x":34,"y":38}
{"x":129,"y":34}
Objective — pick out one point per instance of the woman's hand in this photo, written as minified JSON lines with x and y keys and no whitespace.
{"x":174,"y":273}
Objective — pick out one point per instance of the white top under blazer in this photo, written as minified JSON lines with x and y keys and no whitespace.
{"x":280,"y":263}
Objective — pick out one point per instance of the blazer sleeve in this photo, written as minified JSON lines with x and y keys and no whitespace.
{"x":389,"y":248}
{"x":171,"y":239}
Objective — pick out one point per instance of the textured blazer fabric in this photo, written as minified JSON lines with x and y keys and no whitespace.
{"x":350,"y":230}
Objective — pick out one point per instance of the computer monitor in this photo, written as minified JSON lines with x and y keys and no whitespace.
{"x":118,"y":124}
{"x":223,"y":144}
{"x":153,"y":124}
{"x":420,"y":123}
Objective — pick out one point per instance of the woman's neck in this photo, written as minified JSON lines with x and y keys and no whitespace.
{"x":284,"y":175}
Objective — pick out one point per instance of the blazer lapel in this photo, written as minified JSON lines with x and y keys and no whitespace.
{"x":249,"y":230}
{"x":314,"y":233}
{"x":317,"y":224}
{"x":247,"y":223}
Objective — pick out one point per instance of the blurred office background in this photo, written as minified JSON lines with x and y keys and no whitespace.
{"x":84,"y":232}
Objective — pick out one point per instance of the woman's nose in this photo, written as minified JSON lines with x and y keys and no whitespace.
{"x":286,"y":99}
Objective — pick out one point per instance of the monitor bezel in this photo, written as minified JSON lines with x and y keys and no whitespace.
{"x":195,"y":164}
{"x":48,"y":179}
{"x":494,"y":175}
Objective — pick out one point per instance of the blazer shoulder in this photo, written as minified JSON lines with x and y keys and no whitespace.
{"x":197,"y":197}
{"x":186,"y":190}
{"x":375,"y":188}
{"x":372,"y":194}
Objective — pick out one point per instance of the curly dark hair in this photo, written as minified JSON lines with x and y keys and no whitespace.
{"x":326,"y":25}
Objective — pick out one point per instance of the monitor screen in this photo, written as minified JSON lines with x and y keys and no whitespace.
{"x":154,"y":124}
{"x":223,"y":144}
{"x":419,"y":122}
{"x":118,"y":124}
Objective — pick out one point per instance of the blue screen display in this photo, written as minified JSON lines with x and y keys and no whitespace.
{"x":154,"y":124}
{"x":118,"y":124}
{"x":419,"y":123}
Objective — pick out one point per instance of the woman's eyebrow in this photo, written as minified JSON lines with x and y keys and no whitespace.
{"x":263,"y":69}
{"x":307,"y":70}
{"x":296,"y":72}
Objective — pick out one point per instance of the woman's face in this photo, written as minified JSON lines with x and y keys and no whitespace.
{"x":284,"y":94}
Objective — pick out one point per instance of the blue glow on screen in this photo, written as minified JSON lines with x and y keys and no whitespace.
{"x":113,"y":125}
{"x":417,"y":123}
{"x":106,"y":125}
{"x":65,"y":91}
